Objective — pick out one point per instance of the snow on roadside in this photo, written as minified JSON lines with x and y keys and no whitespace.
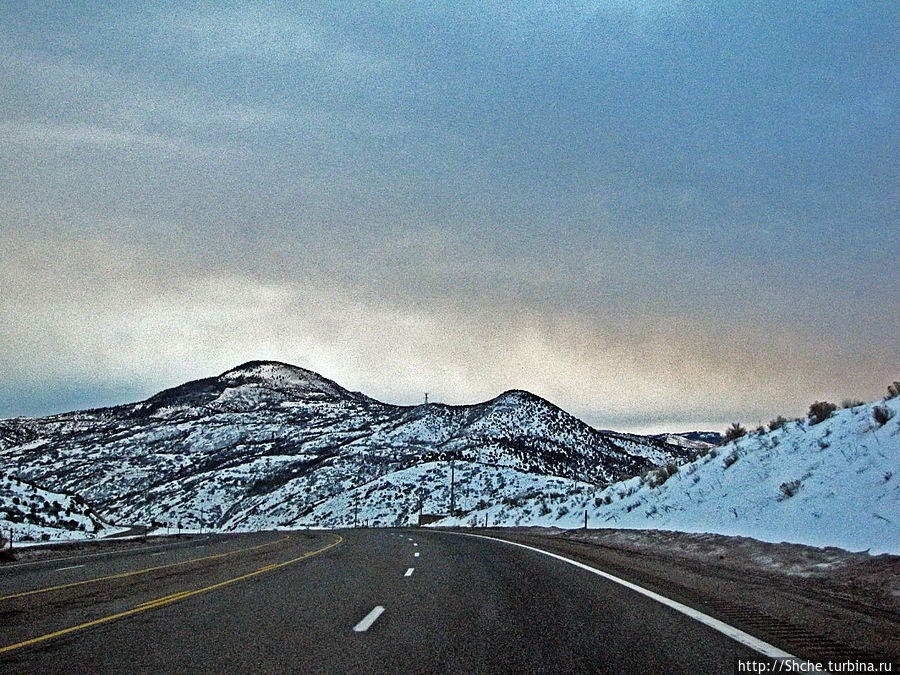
{"x":836,"y":483}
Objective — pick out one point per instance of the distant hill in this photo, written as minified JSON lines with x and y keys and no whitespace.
{"x":831,"y":483}
{"x":693,"y":439}
{"x":268,"y":444}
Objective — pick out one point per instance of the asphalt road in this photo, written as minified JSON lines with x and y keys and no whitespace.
{"x":308,"y":602}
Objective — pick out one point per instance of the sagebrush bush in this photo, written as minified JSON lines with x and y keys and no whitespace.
{"x":777,"y":423}
{"x":820,"y":411}
{"x":851,"y":403}
{"x":789,"y":489}
{"x":734,"y":432}
{"x":730,"y":459}
{"x":661,"y":474}
{"x":894,"y":389}
{"x":881,"y":414}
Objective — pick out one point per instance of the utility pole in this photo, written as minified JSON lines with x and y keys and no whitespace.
{"x":452,"y":490}
{"x":426,"y":398}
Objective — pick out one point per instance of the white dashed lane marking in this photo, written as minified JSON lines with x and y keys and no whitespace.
{"x":370,"y":618}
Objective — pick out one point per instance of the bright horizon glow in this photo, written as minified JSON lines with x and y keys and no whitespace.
{"x":658,"y":216}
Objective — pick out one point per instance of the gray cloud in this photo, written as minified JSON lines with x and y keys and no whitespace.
{"x":654,"y":214}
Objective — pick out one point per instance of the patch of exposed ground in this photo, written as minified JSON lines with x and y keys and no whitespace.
{"x":865,"y":578}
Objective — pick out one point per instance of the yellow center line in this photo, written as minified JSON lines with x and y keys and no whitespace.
{"x":168,"y":599}
{"x":123,"y":575}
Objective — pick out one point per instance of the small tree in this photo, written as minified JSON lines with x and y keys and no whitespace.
{"x":821,"y":411}
{"x":734,"y":432}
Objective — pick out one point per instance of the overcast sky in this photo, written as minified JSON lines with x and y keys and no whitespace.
{"x":659,"y":215}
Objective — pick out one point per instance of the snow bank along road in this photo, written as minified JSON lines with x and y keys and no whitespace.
{"x":350,"y":601}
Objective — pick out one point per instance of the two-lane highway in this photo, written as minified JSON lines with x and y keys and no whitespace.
{"x":356,"y":601}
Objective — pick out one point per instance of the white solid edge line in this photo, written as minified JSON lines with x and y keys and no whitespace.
{"x":71,"y":567}
{"x":409,"y":572}
{"x":736,"y":634}
{"x":363,"y":625}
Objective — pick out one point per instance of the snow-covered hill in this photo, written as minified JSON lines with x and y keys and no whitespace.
{"x":35,"y":514}
{"x":268,"y":444}
{"x":835,"y":483}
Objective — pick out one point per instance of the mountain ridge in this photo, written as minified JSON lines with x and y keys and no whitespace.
{"x":265,"y":434}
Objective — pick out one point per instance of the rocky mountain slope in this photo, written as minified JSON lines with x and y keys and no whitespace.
{"x":268,"y":444}
{"x":35,"y":514}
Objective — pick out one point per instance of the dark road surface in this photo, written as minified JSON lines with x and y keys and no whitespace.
{"x":298,"y":602}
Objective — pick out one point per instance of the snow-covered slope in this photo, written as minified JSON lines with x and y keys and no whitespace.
{"x":268,"y":444}
{"x":835,"y":483}
{"x":35,"y":514}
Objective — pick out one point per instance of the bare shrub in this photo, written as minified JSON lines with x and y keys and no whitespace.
{"x":820,"y":411}
{"x":730,"y":459}
{"x":851,"y":403}
{"x":881,"y":414}
{"x":894,"y":389}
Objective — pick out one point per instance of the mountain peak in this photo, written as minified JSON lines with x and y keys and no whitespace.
{"x":284,"y":377}
{"x":517,"y":396}
{"x":247,"y":387}
{"x":269,"y":370}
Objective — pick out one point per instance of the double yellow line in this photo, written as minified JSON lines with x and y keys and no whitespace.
{"x":168,"y":599}
{"x":123,"y":575}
